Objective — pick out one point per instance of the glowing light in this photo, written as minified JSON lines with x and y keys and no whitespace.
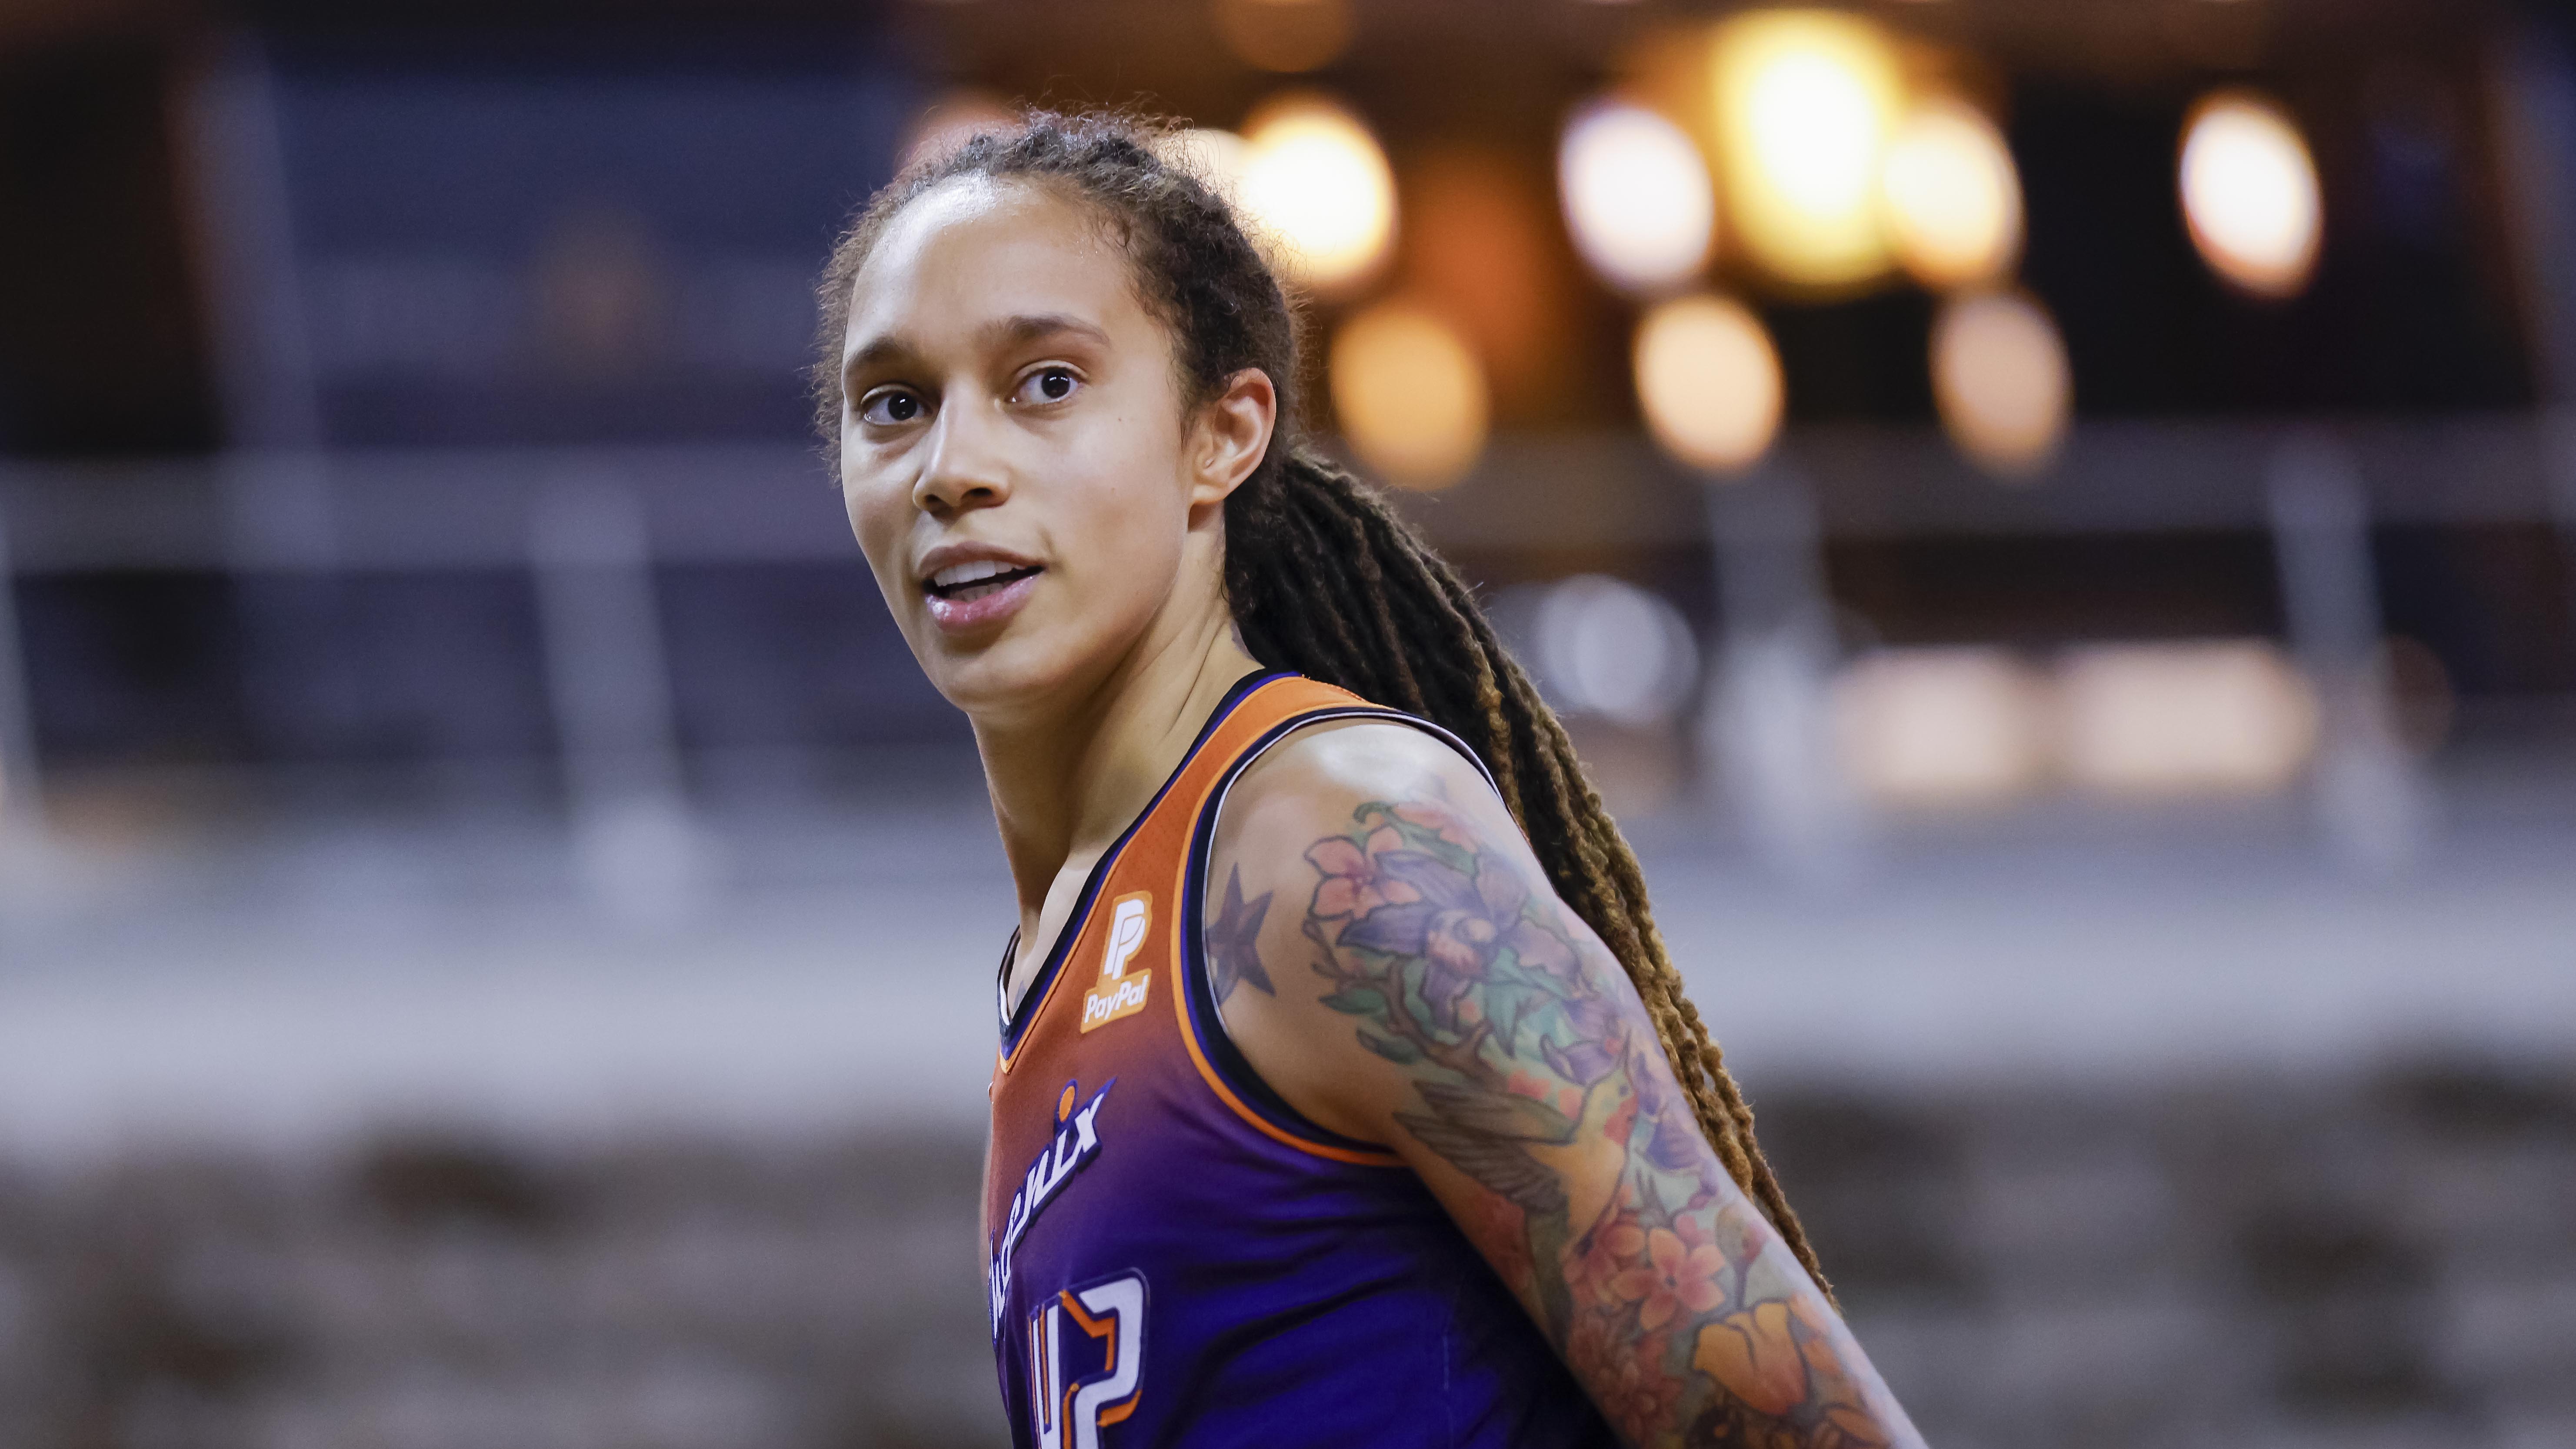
{"x":2230,"y":717}
{"x":1610,"y":648}
{"x":1637,"y":197}
{"x":1492,"y":241}
{"x":1316,"y":182}
{"x":1941,"y":727}
{"x":1284,"y":35}
{"x":1410,"y":395}
{"x":1709,"y":382}
{"x":1216,"y":157}
{"x":2250,"y":195}
{"x":1953,"y":199}
{"x":2000,"y":376}
{"x":1805,"y":104}
{"x":950,"y":122}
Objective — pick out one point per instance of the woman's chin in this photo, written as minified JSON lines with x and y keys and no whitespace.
{"x":1007,"y":678}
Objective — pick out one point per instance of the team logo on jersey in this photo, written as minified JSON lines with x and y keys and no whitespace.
{"x":1076,"y":1142}
{"x":1120,"y":994}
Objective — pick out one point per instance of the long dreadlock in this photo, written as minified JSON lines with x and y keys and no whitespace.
{"x":1323,"y":577}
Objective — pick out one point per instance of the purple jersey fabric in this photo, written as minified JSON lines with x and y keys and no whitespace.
{"x":1175,"y":1256}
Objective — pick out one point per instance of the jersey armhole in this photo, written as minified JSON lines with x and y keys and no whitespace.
{"x":1227,"y":1070}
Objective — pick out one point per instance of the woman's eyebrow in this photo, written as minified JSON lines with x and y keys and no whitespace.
{"x":878,"y":351}
{"x":1013,"y":331}
{"x":1030,"y":327}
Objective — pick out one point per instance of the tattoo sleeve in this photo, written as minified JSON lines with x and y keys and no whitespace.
{"x":1535,"y":1073}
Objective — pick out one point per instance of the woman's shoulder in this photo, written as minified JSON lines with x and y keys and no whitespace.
{"x":1327,"y":778}
{"x":1332,"y":766}
{"x":1335,"y":820}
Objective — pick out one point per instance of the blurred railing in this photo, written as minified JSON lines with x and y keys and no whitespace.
{"x":591,"y":525}
{"x":2112,"y":477}
{"x":416,"y":508}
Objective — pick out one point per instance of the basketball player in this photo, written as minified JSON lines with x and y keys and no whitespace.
{"x":1345,"y":1095}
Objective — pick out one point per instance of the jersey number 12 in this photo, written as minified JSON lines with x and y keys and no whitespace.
{"x":1111,"y":1312}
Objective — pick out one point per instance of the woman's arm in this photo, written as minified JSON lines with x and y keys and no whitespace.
{"x":1390,"y":957}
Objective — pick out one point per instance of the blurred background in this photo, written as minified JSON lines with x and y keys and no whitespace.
{"x":2051,"y":520}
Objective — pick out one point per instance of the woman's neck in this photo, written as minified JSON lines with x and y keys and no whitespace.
{"x":1064,"y":785}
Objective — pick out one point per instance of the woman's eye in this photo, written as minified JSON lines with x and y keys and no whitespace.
{"x":888,"y":408}
{"x":1048,"y":384}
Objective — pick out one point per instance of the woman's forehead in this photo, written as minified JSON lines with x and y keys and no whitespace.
{"x":976,"y":247}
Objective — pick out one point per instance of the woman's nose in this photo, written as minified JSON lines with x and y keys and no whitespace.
{"x":962,"y":469}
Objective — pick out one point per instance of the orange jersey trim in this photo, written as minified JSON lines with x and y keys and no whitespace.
{"x":1069,"y":935}
{"x":1330,"y":698}
{"x":1281,"y":700}
{"x":1225,"y":1094}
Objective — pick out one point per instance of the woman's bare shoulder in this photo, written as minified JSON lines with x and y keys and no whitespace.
{"x":1320,"y":774}
{"x":1301,"y":842}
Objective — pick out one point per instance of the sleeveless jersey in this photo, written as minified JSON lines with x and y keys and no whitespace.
{"x":1178,"y":1257}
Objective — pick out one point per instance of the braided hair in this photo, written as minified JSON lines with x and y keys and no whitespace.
{"x":1322,"y":576}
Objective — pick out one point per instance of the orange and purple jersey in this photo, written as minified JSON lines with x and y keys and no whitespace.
{"x":1176,"y":1255}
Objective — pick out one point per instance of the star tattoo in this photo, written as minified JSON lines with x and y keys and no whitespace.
{"x":1234,"y":942}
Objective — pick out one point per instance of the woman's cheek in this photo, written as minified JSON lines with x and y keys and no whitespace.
{"x":879,"y":520}
{"x":1107,"y":604}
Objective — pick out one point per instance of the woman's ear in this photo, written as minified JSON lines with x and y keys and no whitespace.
{"x":1231,"y":435}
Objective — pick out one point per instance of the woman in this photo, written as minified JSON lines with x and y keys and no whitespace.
{"x":1329,"y":1030}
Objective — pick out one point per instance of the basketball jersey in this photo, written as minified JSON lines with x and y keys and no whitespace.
{"x":1176,"y":1256}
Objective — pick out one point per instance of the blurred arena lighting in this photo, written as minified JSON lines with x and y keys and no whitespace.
{"x":1410,"y":394}
{"x":2000,"y":375}
{"x":1483,"y":247}
{"x":950,"y":122}
{"x":1284,"y":35}
{"x":2228,"y":717}
{"x":1954,"y":210}
{"x":1941,"y":727}
{"x":1637,"y":197}
{"x":1610,"y":648}
{"x":1315,"y":180}
{"x":2250,"y":193}
{"x":1213,"y":155}
{"x":1709,"y":381}
{"x":1806,"y":100}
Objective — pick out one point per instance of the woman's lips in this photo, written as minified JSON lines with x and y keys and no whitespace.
{"x":988,"y":606}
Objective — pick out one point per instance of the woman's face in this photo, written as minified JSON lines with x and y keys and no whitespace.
{"x":1012,"y":445}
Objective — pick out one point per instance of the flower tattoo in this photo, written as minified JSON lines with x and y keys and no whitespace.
{"x":1671,"y":1298}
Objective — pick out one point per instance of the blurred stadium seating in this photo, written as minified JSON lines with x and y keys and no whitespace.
{"x":2268,"y":1257}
